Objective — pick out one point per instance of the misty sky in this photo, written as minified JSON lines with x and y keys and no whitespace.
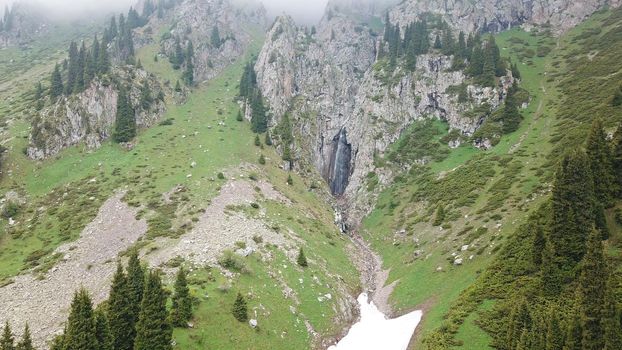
{"x":301,"y":10}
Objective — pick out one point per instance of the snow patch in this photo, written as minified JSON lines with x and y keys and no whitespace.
{"x":375,"y":331}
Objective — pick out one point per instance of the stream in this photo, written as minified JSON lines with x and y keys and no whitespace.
{"x":375,"y":330}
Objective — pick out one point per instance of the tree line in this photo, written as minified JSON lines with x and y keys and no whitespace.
{"x":572,"y":301}
{"x":480,"y":57}
{"x":135,"y":316}
{"x":250,"y":92}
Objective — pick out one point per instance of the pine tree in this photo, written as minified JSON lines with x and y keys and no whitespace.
{"x":259,"y":120}
{"x":554,"y":333}
{"x":239,"y":117}
{"x":574,"y":335}
{"x":268,"y":140}
{"x":153,"y":330}
{"x":125,"y":123}
{"x":120,"y":313}
{"x":56,"y":87}
{"x":145,"y":96}
{"x":262,"y":160}
{"x":573,"y":209}
{"x":58,"y":343}
{"x":257,"y":141}
{"x":215,"y":38}
{"x":599,"y":153}
{"x":617,"y":161}
{"x":181,"y":312}
{"x":188,"y":75}
{"x":510,"y":116}
{"x":437,"y":42}
{"x":290,"y":180}
{"x":38,"y":96}
{"x":102,"y":331}
{"x":72,"y":68}
{"x":7,"y":342}
{"x":239,"y":310}
{"x":610,"y":322}
{"x":177,"y":87}
{"x":524,"y":342}
{"x":552,"y":278}
{"x":592,"y":283}
{"x":440,"y":215}
{"x":302,"y":259}
{"x":80,"y":333}
{"x":103,"y":61}
{"x":26,"y":342}
{"x":135,"y":290}
{"x":520,"y":318}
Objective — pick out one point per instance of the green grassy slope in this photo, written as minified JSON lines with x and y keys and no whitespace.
{"x":64,"y":193}
{"x":487,"y":195}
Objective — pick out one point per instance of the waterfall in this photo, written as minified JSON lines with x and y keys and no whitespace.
{"x":339,"y":171}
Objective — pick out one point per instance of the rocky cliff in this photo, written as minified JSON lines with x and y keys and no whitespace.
{"x":196,"y":20}
{"x":498,"y":15}
{"x":89,"y":117}
{"x":347,"y":107}
{"x":20,"y":24}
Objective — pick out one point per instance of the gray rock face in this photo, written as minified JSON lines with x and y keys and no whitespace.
{"x":89,"y":116}
{"x":498,"y":15}
{"x":195,"y":20}
{"x":332,"y":87}
{"x":26,"y":24}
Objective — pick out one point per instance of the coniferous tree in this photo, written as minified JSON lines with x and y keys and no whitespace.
{"x":257,"y":141}
{"x":26,"y":342}
{"x":145,"y":96}
{"x":259,"y":120}
{"x":290,"y":179}
{"x":120,"y":313}
{"x":524,"y":342}
{"x":58,"y":343}
{"x":575,"y":334}
{"x":56,"y":87}
{"x":103,"y":61}
{"x":554,"y":333}
{"x":80,"y":333}
{"x":538,"y":335}
{"x":215,"y":39}
{"x":302,"y":259}
{"x":181,"y":312}
{"x":188,"y":75}
{"x":617,"y":161}
{"x":437,"y":42}
{"x":573,"y":209}
{"x":268,"y":140}
{"x":135,"y":290}
{"x":72,"y":68}
{"x":610,"y":322}
{"x":153,"y":330}
{"x":440,"y":215}
{"x":102,"y":331}
{"x":592,"y":284}
{"x":520,"y":318}
{"x":599,"y":153}
{"x":239,"y":310}
{"x":177,"y":87}
{"x":239,"y":117}
{"x":125,"y":123}
{"x":552,"y":277}
{"x":7,"y":342}
{"x":38,"y":96}
{"x":262,"y":160}
{"x":510,"y":115}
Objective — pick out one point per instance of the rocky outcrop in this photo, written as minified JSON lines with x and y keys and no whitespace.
{"x":498,"y":15}
{"x":89,"y":117}
{"x":195,"y":20}
{"x":23,"y":23}
{"x":347,"y":107}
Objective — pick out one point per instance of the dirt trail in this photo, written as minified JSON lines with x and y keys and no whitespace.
{"x":89,"y":262}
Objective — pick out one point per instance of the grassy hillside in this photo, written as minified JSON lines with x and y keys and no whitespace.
{"x":201,"y":147}
{"x":486,"y":195}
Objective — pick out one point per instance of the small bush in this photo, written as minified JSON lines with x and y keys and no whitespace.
{"x":230,"y":261}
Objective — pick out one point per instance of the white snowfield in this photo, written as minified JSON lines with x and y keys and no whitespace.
{"x":375,"y":331}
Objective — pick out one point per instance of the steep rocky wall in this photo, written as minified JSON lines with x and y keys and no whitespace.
{"x":195,"y":20}
{"x":334,"y":91}
{"x":498,"y":15}
{"x":89,"y":116}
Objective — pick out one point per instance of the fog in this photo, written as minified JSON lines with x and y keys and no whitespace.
{"x":301,"y":10}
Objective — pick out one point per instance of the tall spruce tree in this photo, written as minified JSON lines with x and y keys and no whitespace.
{"x":120,"y":312}
{"x":592,"y":285}
{"x":181,"y":311}
{"x":102,"y":331}
{"x":520,"y":318}
{"x":56,"y":87}
{"x":554,"y":333}
{"x":7,"y":342}
{"x":574,"y":333}
{"x":26,"y":342}
{"x":599,"y":152}
{"x":573,"y":209}
{"x":135,"y":287}
{"x":617,"y":161}
{"x":610,"y":321}
{"x":125,"y":123}
{"x":153,"y":330}
{"x":80,"y":333}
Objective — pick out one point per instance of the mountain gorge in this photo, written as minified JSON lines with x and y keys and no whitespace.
{"x":451,"y":157}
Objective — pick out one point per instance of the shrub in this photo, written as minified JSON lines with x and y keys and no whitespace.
{"x":230,"y":261}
